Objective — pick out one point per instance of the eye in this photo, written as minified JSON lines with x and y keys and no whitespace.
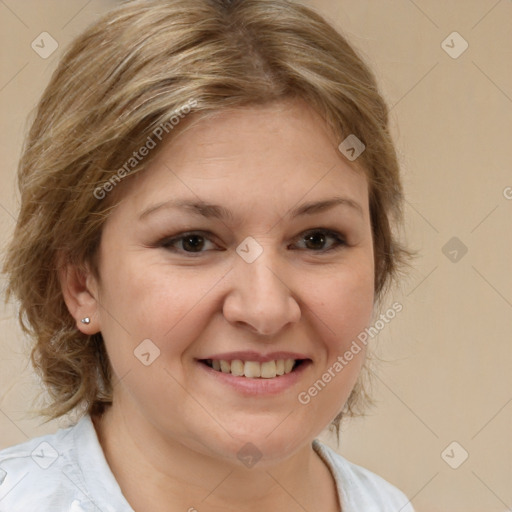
{"x":193,"y":242}
{"x":317,"y":239}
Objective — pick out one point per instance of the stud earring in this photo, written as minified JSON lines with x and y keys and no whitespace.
{"x":86,"y":320}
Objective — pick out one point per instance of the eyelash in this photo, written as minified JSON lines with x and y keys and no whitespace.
{"x":168,"y":243}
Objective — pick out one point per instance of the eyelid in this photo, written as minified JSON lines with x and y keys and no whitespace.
{"x":168,"y":242}
{"x":340,"y":239}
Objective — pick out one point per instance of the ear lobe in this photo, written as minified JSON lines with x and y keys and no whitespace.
{"x":79,"y":289}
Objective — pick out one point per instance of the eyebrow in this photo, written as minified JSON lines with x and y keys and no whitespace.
{"x":220,"y":212}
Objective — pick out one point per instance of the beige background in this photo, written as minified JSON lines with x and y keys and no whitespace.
{"x":447,"y":376}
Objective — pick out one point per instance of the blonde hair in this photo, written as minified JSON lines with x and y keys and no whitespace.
{"x":121,"y":80}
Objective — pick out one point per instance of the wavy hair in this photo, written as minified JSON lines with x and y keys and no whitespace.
{"x":121,"y":80}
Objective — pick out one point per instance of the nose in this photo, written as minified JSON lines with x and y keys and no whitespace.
{"x":260,"y":299}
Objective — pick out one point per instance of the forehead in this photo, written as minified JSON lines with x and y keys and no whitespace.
{"x":282,"y":152}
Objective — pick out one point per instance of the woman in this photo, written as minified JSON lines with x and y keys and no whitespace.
{"x":208,"y":192}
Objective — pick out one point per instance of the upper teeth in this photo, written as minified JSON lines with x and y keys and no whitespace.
{"x":253,"y":369}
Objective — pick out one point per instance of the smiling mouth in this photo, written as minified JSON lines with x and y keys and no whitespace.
{"x":254,"y":369}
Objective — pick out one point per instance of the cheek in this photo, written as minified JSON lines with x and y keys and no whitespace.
{"x":144,"y":300}
{"x":344,"y":303}
{"x":341,"y":312}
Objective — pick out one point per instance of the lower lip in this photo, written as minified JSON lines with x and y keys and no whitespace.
{"x":257,"y":386}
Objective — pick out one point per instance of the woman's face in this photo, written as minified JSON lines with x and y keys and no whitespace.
{"x":247,"y":239}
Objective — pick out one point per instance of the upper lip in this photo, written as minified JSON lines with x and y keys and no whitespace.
{"x":255,"y":356}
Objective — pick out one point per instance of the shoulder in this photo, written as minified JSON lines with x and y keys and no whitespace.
{"x":42,"y":474}
{"x":361,"y":489}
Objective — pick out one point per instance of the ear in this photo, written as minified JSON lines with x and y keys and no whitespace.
{"x":80,"y":291}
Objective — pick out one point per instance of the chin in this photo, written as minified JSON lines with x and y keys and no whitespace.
{"x":263,"y":442}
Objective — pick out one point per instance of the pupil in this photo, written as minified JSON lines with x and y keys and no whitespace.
{"x":193,"y":242}
{"x":318,"y":237}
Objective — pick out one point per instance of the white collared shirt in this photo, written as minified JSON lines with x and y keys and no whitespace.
{"x":67,"y":472}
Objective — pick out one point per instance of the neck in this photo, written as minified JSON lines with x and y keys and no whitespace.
{"x":157,"y":473}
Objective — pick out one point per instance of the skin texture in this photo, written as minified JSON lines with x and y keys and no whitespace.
{"x":174,"y":431}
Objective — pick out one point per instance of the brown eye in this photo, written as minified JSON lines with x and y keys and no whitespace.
{"x":193,"y":243}
{"x":315,"y":241}
{"x":322,"y":240}
{"x":188,"y":243}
